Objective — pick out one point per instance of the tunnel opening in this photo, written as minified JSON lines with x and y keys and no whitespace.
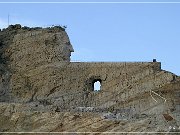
{"x":96,"y":85}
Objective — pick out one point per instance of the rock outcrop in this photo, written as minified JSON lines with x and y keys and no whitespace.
{"x":41,"y":90}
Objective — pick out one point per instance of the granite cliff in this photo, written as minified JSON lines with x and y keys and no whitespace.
{"x":42,"y":91}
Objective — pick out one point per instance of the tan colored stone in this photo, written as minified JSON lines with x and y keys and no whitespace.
{"x":41,"y":90}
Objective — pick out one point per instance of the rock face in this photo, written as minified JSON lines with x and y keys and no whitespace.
{"x":25,"y":49}
{"x":41,"y":90}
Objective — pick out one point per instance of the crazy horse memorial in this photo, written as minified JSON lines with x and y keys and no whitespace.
{"x":41,"y":90}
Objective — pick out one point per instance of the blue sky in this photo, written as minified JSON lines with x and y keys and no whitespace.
{"x":109,"y":32}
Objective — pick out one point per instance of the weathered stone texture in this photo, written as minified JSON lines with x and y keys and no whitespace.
{"x":41,"y":90}
{"x":24,"y":49}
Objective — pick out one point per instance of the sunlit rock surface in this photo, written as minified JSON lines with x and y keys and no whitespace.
{"x":42,"y":91}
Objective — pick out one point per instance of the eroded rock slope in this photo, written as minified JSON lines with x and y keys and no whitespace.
{"x":41,"y":90}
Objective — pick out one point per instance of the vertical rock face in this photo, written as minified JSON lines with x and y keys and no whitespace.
{"x":36,"y":75}
{"x":34,"y":48}
{"x":6,"y":37}
{"x":24,"y":49}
